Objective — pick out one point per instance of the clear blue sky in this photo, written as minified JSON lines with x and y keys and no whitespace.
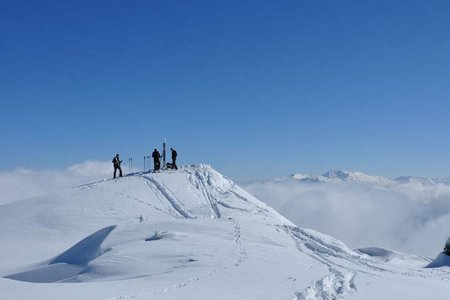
{"x":255,"y":88}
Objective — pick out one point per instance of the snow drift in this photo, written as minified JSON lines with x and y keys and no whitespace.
{"x":68,"y":264}
{"x":441,"y":260}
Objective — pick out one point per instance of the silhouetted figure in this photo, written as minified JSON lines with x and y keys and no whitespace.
{"x":156,"y":160}
{"x":116,"y":161}
{"x":174,"y":159}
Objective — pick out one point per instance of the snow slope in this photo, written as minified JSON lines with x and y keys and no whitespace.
{"x":189,"y":234}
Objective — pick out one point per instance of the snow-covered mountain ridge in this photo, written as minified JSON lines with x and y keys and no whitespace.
{"x":190,"y":234}
{"x":337,"y":176}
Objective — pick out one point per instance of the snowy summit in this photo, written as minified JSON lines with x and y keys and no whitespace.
{"x":342,"y":176}
{"x":338,"y":176}
{"x":188,"y":234}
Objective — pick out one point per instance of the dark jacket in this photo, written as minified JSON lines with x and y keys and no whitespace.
{"x":174,"y":154}
{"x":156,"y":155}
{"x":116,"y":161}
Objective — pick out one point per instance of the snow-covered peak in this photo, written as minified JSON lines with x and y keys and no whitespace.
{"x":354,"y":177}
{"x":337,"y":176}
{"x":340,"y":176}
{"x":310,"y":178}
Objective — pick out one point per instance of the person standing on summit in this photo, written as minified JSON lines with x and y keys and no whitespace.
{"x":156,"y":160}
{"x":116,"y":161}
{"x":174,"y":159}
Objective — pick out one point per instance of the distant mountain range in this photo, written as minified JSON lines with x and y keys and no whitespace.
{"x":338,"y":176}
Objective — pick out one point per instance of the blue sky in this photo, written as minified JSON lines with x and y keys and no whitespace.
{"x":257,"y":89}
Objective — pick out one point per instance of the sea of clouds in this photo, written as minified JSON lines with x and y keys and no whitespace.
{"x":24,"y":183}
{"x":410,"y":217}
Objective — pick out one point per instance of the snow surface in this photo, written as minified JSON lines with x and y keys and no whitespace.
{"x":188,"y":234}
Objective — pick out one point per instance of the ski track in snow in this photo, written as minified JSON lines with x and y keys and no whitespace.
{"x":163,"y":200}
{"x":259,"y":209}
{"x":313,"y":245}
{"x":133,"y":198}
{"x":157,"y":188}
{"x":341,"y":279}
{"x":176,"y":204}
{"x":221,"y":203}
{"x":199,"y":181}
{"x":337,"y":283}
{"x":203,"y":183}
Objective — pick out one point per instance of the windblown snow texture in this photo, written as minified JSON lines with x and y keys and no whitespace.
{"x":442,"y":260}
{"x":68,"y":264}
{"x":86,"y":250}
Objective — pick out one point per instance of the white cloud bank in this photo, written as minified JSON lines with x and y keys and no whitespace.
{"x":409,"y":217}
{"x":23,"y":183}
